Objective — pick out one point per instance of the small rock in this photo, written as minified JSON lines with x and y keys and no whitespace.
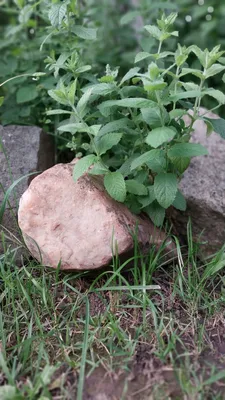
{"x":203,"y":186}
{"x":23,"y":150}
{"x":78,"y":224}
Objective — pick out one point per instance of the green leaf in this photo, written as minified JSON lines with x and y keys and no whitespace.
{"x":1,"y":100}
{"x":98,"y":169}
{"x":73,"y":127}
{"x":130,"y":74}
{"x":106,"y":142}
{"x":58,"y":112}
{"x":154,"y":159}
{"x":155,"y":117}
{"x":72,"y":91}
{"x":154,"y":31}
{"x":83,"y":69}
{"x":115,"y":186}
{"x":180,"y":202}
{"x":185,"y":95}
{"x":59,"y":96}
{"x":156,"y":85}
{"x":26,"y":93}
{"x":192,"y":71}
{"x":141,"y":56}
{"x":106,"y":107}
{"x":218,"y":125}
{"x":82,"y":103}
{"x":156,"y":213}
{"x":83,"y":165}
{"x":214,"y":70}
{"x":125,"y":168}
{"x":187,"y":150}
{"x":177,"y":113}
{"x":216,"y":94}
{"x":147,"y":200}
{"x":57,"y":13}
{"x":85,"y":33}
{"x":136,"y":187}
{"x":165,"y":187}
{"x":114,"y":126}
{"x":181,"y":163}
{"x":158,"y":136}
{"x":128,"y":17}
{"x":102,"y":89}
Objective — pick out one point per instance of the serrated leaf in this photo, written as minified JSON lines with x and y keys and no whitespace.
{"x":114,"y":126}
{"x":218,"y":125}
{"x":180,"y":202}
{"x":214,"y":70}
{"x":185,"y":95}
{"x":181,"y":163}
{"x":98,"y":169}
{"x":82,"y":103}
{"x":83,"y":165}
{"x":106,"y":142}
{"x":156,"y":213}
{"x":83,"y":69}
{"x":26,"y":93}
{"x":187,"y":150}
{"x":72,"y":91}
{"x":155,"y":117}
{"x":125,"y":168}
{"x":141,"y":56}
{"x":199,"y":53}
{"x":57,"y":13}
{"x":85,"y":33}
{"x":115,"y":186}
{"x":154,"y":31}
{"x":158,"y":136}
{"x":130,"y":74}
{"x":156,"y":85}
{"x":73,"y":127}
{"x":136,"y":187}
{"x":190,"y":86}
{"x":165,"y":188}
{"x":147,"y":200}
{"x":154,"y":159}
{"x":192,"y":71}
{"x":106,"y":107}
{"x":102,"y":89}
{"x":58,"y":96}
{"x":216,"y":94}
{"x":177,"y":113}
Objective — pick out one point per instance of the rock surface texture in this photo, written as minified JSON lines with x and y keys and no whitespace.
{"x":24,"y":149}
{"x":203,"y":186}
{"x":77,"y":224}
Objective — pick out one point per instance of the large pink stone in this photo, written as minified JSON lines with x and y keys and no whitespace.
{"x":77,"y":224}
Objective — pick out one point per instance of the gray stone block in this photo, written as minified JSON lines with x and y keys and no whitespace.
{"x":203,"y":186}
{"x":23,"y":150}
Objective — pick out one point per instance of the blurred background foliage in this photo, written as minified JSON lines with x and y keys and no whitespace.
{"x":25,"y":29}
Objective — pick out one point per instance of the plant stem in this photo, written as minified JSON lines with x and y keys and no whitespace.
{"x":175,"y":88}
{"x":159,"y":48}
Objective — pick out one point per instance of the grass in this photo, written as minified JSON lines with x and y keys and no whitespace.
{"x":141,"y":329}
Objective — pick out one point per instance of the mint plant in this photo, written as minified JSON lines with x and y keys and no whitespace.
{"x":131,"y":131}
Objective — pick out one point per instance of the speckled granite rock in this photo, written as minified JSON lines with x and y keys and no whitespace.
{"x":23,"y":150}
{"x":203,"y":185}
{"x":78,"y":224}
